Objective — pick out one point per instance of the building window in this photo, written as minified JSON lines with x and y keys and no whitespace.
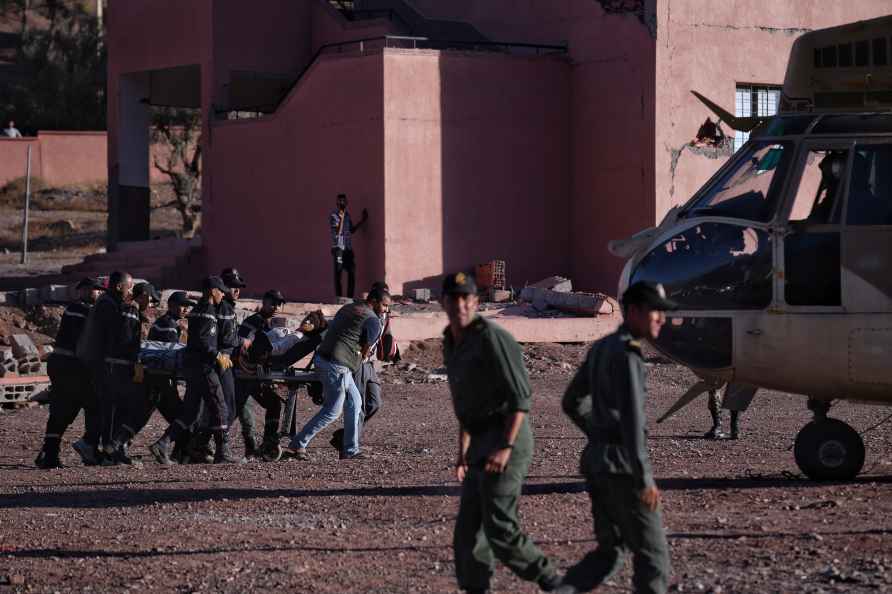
{"x":754,"y":100}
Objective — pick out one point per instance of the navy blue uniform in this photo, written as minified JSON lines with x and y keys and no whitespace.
{"x":229,"y":343}
{"x":202,"y":379}
{"x":72,"y":387}
{"x":161,"y":392}
{"x":129,"y":397}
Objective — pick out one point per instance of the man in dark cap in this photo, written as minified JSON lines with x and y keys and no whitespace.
{"x":161,"y":392}
{"x":491,"y":397}
{"x":256,"y":323}
{"x":203,"y":363}
{"x":127,"y":375}
{"x":72,"y":388}
{"x":227,"y":334}
{"x":605,"y":400}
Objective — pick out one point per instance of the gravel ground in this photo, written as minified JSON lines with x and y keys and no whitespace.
{"x":738,"y":517}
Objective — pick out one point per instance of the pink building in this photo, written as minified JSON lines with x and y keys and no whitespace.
{"x":533,"y":132}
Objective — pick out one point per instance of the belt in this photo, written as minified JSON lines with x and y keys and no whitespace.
{"x":115,"y":361}
{"x":491,"y":422}
{"x":65,"y":352}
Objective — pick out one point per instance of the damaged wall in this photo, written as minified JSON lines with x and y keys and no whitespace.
{"x":710,"y":47}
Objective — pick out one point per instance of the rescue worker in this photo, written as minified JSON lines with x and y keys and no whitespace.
{"x":107,"y":318}
{"x":491,"y":397}
{"x":72,"y":388}
{"x":342,"y":229}
{"x":161,"y":391}
{"x":347,"y":341}
{"x":202,"y":364}
{"x":127,"y":375}
{"x":715,"y":411}
{"x":605,"y":400}
{"x":229,"y":342}
{"x":256,"y":323}
{"x":366,"y":377}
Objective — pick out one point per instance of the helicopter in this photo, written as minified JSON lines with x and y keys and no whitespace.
{"x":782,"y":262}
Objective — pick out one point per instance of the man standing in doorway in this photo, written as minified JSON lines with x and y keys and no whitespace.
{"x":342,"y":228}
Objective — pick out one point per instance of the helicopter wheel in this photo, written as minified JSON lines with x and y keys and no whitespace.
{"x":829,"y":450}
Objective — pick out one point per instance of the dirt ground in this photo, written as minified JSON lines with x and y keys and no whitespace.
{"x":738,"y":517}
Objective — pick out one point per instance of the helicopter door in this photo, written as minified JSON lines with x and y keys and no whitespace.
{"x":867,"y":235}
{"x":812,"y":252}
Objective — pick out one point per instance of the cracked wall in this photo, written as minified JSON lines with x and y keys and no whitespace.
{"x":710,"y":47}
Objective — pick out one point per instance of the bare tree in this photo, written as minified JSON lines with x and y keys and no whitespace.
{"x":176,"y":136}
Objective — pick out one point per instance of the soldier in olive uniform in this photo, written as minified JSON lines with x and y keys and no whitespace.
{"x":606,"y":400}
{"x":491,"y":396}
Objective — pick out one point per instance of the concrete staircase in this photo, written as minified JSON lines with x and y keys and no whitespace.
{"x":168,"y":262}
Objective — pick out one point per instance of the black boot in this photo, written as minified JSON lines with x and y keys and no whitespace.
{"x":199,"y":448}
{"x":270,"y":450}
{"x":716,"y":412}
{"x":252,"y":452}
{"x":223,"y":455}
{"x":337,"y":440}
{"x":162,"y":449}
{"x":735,"y":426}
{"x":49,"y":456}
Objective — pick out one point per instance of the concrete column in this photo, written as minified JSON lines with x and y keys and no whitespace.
{"x":128,"y":200}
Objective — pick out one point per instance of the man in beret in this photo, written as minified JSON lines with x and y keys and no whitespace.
{"x":491,"y":396}
{"x":605,"y":400}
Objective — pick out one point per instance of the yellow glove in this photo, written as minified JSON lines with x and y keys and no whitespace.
{"x":224,"y":361}
{"x":139,"y":373}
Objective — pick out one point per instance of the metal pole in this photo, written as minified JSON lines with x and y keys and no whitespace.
{"x":27,"y":207}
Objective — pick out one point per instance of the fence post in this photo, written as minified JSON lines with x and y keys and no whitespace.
{"x":27,"y":207}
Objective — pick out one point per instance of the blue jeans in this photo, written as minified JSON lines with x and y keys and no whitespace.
{"x":340,"y":393}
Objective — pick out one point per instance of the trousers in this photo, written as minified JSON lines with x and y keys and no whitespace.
{"x":72,"y":392}
{"x":623,"y":523}
{"x":487,"y":527}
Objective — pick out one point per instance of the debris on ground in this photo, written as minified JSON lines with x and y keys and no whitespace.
{"x":556,"y":292}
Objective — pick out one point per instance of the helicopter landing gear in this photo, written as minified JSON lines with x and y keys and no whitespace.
{"x":828,"y":449}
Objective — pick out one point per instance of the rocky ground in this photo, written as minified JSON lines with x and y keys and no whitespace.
{"x":738,"y":516}
{"x":65,"y":225}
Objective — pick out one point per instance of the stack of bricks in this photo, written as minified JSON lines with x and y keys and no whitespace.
{"x":22,"y":374}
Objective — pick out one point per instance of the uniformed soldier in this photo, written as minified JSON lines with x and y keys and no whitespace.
{"x":202,"y":363}
{"x":72,"y":388}
{"x":229,"y":342}
{"x":491,"y":396}
{"x":127,"y":375}
{"x":107,"y":320}
{"x":606,"y":400}
{"x":715,"y":411}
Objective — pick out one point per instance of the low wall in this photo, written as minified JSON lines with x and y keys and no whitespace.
{"x":60,"y":158}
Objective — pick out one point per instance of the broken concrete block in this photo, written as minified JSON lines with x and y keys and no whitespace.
{"x":56,"y":293}
{"x":423,"y":295}
{"x":558,"y":284}
{"x":500,"y":296}
{"x":29,"y":297}
{"x":23,"y":347}
{"x":588,"y":304}
{"x":9,"y":367}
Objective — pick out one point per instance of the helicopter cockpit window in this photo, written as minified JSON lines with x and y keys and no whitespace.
{"x":812,"y":245}
{"x":870,"y":186}
{"x":819,"y":198}
{"x":748,"y":189}
{"x":713,"y":266}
